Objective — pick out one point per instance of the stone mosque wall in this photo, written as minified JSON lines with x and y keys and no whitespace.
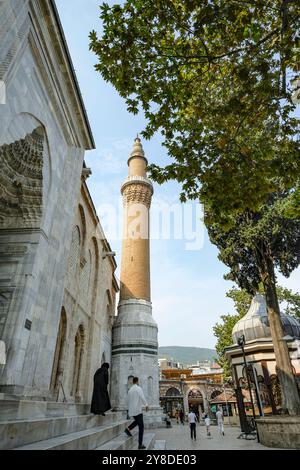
{"x":88,"y":308}
{"x":55,"y":308}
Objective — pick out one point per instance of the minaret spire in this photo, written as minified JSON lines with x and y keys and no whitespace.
{"x":137,"y":161}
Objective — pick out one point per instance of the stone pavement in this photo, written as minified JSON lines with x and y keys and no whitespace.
{"x":178,"y":438}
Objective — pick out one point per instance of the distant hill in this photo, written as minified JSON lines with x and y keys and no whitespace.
{"x":186,"y":355}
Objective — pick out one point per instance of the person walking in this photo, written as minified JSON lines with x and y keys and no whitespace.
{"x":181,"y":416}
{"x":136,"y":401}
{"x":192,"y":422}
{"x":220,"y":421}
{"x":100,"y":400}
{"x":207,"y":424}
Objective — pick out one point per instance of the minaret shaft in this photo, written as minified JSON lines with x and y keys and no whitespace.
{"x":135,"y":277}
{"x":137,"y":193}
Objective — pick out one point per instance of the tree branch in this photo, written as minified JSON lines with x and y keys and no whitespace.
{"x":211,"y":58}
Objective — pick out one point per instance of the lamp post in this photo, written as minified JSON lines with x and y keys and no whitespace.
{"x":227,"y":407}
{"x":240,"y":402}
{"x":259,"y":402}
{"x":241,"y":343}
{"x":182,"y":397}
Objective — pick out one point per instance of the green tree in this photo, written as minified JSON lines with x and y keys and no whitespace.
{"x":289,"y":303}
{"x":257,"y":243}
{"x":223,"y":330}
{"x":211,"y":77}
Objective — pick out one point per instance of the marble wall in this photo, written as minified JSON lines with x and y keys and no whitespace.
{"x":44,"y":133}
{"x":88,"y":307}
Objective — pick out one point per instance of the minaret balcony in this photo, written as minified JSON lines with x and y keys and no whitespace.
{"x":137,"y":180}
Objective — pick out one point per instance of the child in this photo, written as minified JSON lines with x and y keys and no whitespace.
{"x":207,"y":424}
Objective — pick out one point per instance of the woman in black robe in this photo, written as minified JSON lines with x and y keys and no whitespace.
{"x":100,"y":400}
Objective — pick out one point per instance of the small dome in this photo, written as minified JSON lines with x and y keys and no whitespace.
{"x":255,"y":324}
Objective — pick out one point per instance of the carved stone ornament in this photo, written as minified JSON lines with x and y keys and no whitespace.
{"x":21,"y":181}
{"x":137,"y":193}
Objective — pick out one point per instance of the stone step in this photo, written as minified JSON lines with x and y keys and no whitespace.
{"x":160,"y":445}
{"x":84,"y":440}
{"x":123,"y":442}
{"x":20,"y":433}
{"x":149,"y":440}
{"x":12,"y":410}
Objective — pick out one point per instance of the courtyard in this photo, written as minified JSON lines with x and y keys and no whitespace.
{"x":178,"y":438}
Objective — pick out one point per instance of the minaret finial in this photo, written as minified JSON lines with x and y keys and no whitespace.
{"x":137,"y":150}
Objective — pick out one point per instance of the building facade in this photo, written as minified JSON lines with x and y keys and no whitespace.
{"x":180,"y":389}
{"x":57,"y":284}
{"x":84,"y":339}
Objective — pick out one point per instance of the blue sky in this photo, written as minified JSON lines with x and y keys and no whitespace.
{"x":188,"y":289}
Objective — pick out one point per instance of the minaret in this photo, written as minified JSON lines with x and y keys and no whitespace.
{"x":135,"y":345}
{"x":137,"y":193}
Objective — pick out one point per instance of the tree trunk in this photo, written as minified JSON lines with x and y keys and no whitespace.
{"x":290,"y":394}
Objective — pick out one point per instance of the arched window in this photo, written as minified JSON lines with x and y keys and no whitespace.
{"x":172,"y":392}
{"x":150,"y":389}
{"x":74,"y":254}
{"x":109,"y":308}
{"x":58,"y":363}
{"x":94,"y":270}
{"x":85,"y":280}
{"x":77,"y":361}
{"x":83,"y":223}
{"x":103,"y":358}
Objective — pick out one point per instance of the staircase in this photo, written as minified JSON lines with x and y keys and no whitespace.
{"x":123,"y":442}
{"x":31,"y":425}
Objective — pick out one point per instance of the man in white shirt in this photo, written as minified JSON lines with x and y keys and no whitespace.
{"x":136,"y":401}
{"x":192,"y":420}
{"x":219,"y":416}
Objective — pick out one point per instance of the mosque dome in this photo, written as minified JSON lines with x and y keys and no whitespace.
{"x":255,"y":324}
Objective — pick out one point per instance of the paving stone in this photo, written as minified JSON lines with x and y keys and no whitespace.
{"x":178,"y":438}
